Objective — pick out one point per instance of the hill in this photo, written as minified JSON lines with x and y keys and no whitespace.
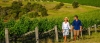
{"x":83,"y":2}
{"x":65,"y":10}
{"x":28,"y":15}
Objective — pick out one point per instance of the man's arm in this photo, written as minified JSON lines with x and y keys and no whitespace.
{"x":80,"y":28}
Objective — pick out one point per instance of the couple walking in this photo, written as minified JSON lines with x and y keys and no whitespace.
{"x":76,"y":28}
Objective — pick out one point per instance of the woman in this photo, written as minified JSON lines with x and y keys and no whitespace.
{"x":65,"y":28}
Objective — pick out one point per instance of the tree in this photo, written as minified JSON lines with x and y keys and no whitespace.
{"x":58,"y":6}
{"x":44,"y":12}
{"x":1,"y":29}
{"x":33,"y":14}
{"x":16,"y":7}
{"x":28,"y":7}
{"x":75,"y":4}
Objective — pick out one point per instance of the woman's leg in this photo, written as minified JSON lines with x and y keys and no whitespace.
{"x":65,"y":39}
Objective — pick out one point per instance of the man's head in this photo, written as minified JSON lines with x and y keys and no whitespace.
{"x":75,"y":17}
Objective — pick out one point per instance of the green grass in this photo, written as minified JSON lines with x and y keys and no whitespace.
{"x":66,"y":10}
{"x":94,"y":38}
{"x":84,"y":2}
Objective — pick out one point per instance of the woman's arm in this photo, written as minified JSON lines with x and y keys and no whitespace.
{"x":69,"y":25}
{"x":72,"y":26}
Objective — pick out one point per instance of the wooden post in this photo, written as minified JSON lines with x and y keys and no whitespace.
{"x":95,"y":28}
{"x":6,"y":35}
{"x":71,"y":33}
{"x":56,"y":33}
{"x":36,"y":35}
{"x":89,"y":31}
{"x":81,"y":34}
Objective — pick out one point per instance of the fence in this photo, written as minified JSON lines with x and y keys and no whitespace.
{"x":36,"y":34}
{"x":55,"y":29}
{"x":95,"y":28}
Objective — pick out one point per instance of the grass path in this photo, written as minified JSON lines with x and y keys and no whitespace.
{"x":94,"y":38}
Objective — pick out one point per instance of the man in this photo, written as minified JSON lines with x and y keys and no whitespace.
{"x":77,"y":27}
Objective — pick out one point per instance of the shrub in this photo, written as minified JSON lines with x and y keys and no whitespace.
{"x":10,"y":23}
{"x":33,"y":14}
{"x":20,"y":27}
{"x":28,"y":7}
{"x":75,"y":4}
{"x":2,"y":12}
{"x":40,"y":8}
{"x":17,"y":10}
{"x":16,"y":5}
{"x":1,"y":29}
{"x":58,"y":6}
{"x":44,"y":13}
{"x":21,"y":14}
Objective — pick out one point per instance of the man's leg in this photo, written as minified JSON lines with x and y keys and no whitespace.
{"x":75,"y":35}
{"x":78,"y":32}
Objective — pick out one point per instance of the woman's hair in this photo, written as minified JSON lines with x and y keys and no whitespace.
{"x":66,"y":18}
{"x":76,"y":16}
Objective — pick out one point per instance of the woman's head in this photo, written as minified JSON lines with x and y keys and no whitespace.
{"x":66,"y":19}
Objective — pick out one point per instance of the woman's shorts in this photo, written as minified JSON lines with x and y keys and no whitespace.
{"x":65,"y":32}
